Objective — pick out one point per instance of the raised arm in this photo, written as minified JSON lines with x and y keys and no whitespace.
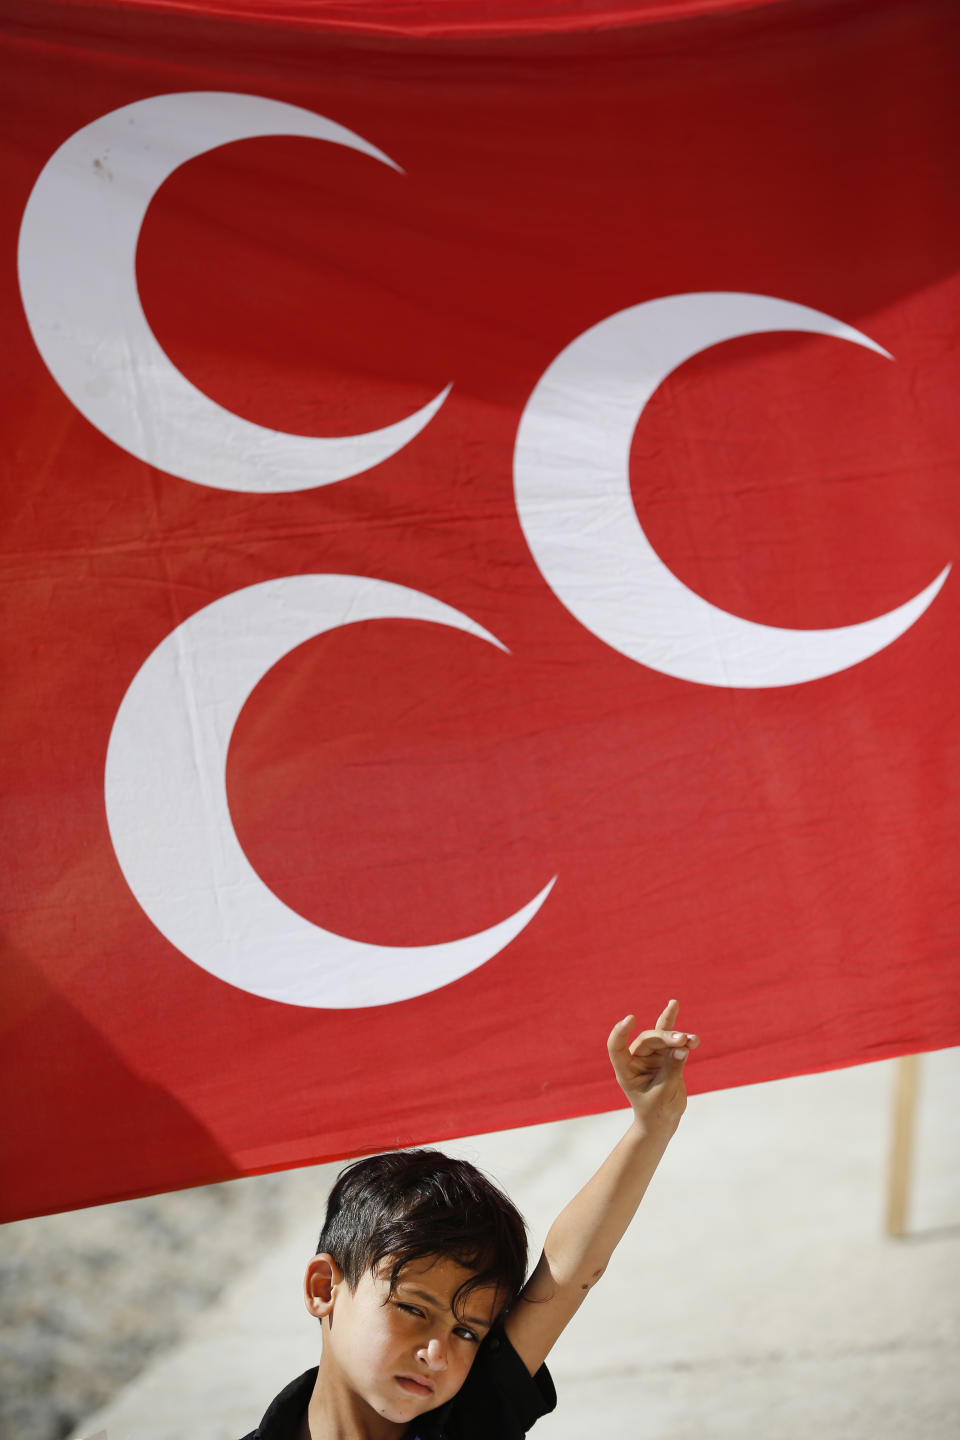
{"x":582,"y":1239}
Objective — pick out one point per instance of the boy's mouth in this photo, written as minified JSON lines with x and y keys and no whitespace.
{"x":415,"y":1387}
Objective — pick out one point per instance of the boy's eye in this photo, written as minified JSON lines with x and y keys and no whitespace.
{"x":462,"y":1332}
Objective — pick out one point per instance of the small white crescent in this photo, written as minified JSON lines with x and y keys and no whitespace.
{"x":77,"y":265}
{"x":572,"y":484}
{"x":169,"y":817}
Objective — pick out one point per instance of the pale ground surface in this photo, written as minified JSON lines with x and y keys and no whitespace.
{"x":756,"y":1294}
{"x":90,"y":1297}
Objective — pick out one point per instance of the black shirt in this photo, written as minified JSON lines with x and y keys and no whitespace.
{"x":497,"y":1401}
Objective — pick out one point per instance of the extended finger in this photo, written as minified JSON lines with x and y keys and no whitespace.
{"x":669,"y":1017}
{"x":619,"y":1035}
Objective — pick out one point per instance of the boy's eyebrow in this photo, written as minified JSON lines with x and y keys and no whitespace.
{"x":438,"y":1304}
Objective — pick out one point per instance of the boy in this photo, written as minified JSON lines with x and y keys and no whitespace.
{"x":429,"y":1332}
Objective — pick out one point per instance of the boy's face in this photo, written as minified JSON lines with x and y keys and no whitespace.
{"x":406,"y":1353}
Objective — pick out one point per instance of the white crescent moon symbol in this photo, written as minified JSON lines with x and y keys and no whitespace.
{"x":572,"y":483}
{"x":77,"y":264}
{"x":169,"y":817}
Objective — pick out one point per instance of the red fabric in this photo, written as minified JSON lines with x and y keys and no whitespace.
{"x":783,"y":859}
{"x":407,"y":18}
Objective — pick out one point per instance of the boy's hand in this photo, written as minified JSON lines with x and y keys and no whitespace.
{"x":649,"y":1069}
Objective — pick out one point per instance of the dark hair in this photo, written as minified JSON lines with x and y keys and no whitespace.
{"x":410,"y":1204}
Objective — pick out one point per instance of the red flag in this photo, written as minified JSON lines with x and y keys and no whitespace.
{"x":479,"y":516}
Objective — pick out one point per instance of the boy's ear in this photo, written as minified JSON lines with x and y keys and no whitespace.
{"x":320,"y":1285}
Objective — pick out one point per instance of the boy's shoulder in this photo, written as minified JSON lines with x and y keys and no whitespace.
{"x":498,"y":1398}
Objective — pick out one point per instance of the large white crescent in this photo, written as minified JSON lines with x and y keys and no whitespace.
{"x":169,"y":817}
{"x":77,"y":262}
{"x":572,"y":483}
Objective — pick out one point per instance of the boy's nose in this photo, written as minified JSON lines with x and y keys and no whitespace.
{"x":435,"y":1354}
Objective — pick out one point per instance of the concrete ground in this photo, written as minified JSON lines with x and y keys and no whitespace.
{"x":756,"y":1293}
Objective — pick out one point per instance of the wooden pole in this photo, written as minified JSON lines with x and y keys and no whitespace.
{"x":905,"y":1074}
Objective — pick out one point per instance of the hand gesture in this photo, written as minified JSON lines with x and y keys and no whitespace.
{"x":649,"y":1068}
